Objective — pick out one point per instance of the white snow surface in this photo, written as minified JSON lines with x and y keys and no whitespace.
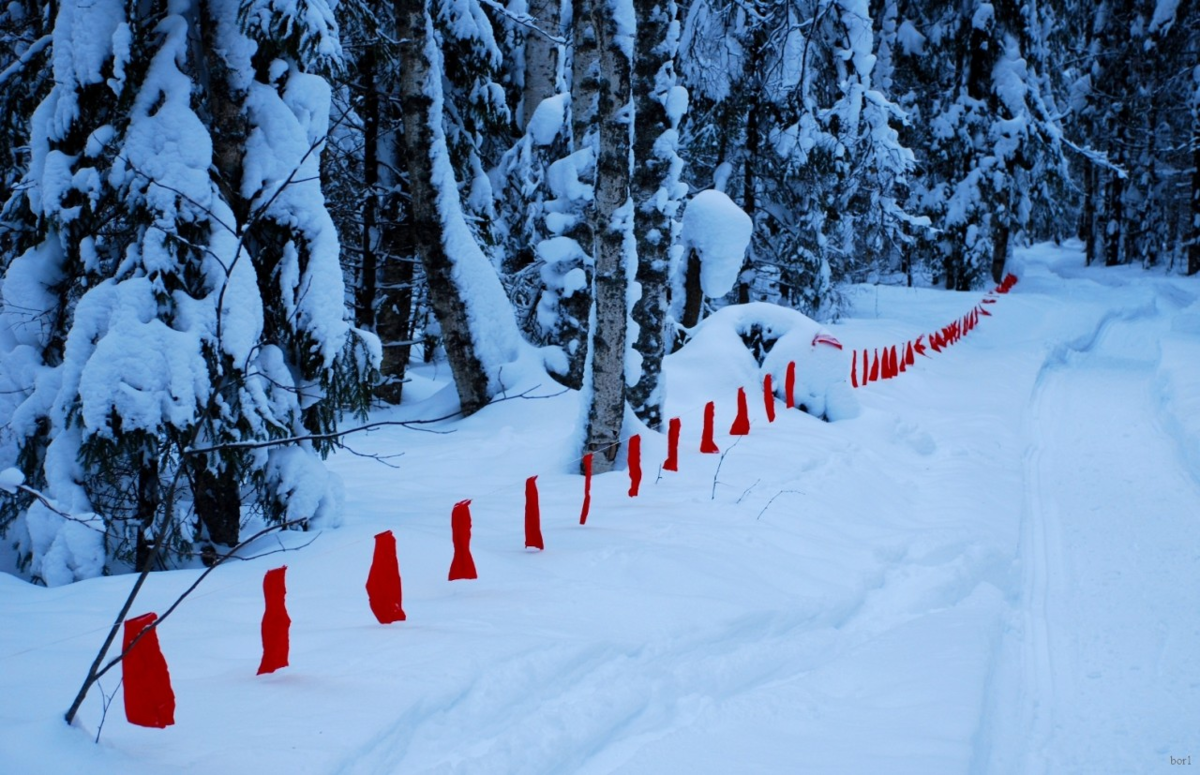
{"x":548,"y":119}
{"x":719,"y":231}
{"x":991,"y":569}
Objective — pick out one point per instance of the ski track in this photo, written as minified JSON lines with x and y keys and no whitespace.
{"x":1105,"y":675}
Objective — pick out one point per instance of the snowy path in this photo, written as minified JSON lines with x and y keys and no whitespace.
{"x":1110,"y":609}
{"x":994,"y":569}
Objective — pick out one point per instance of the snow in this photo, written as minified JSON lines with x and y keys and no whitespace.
{"x":1164,"y":15}
{"x":719,"y":231}
{"x":910,"y":38}
{"x":676,"y":104}
{"x":548,"y":119}
{"x":11,"y":479}
{"x":991,"y":568}
{"x":822,"y":371}
{"x":985,"y":14}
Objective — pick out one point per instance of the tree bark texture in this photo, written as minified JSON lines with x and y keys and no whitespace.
{"x":541,"y":55}
{"x":607,"y":400}
{"x":395,"y":256}
{"x":418,"y":80}
{"x":585,"y":72}
{"x":652,"y":76}
{"x":1193,"y":265}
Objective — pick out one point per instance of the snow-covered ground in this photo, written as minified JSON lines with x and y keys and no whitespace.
{"x":994,"y":567}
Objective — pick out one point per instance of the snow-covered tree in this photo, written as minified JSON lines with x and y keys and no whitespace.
{"x":477,"y":326}
{"x":185,"y":292}
{"x":788,"y":121}
{"x":25,"y":78}
{"x":1133,"y":108}
{"x":983,"y":122}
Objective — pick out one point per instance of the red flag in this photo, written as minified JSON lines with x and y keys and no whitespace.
{"x":789,"y":385}
{"x":383,"y":581}
{"x":707,"y":445}
{"x":919,"y":347}
{"x":149,"y":700}
{"x":902,"y":360}
{"x":866,"y":369}
{"x":672,"y":461}
{"x":587,"y":488}
{"x":828,"y":339}
{"x":275,"y":622}
{"x":769,"y":398}
{"x":635,"y":464}
{"x":983,"y":311}
{"x":533,"y":516}
{"x":875,"y":367}
{"x":741,"y":423}
{"x":935,"y":342}
{"x":463,"y":564}
{"x":853,"y":371}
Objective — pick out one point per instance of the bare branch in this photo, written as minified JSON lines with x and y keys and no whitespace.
{"x":773,"y":497}
{"x":335,"y":435}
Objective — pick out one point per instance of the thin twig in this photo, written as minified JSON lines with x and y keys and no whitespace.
{"x":747,"y":492}
{"x":171,"y":609}
{"x":773,"y":497}
{"x":721,"y":462}
{"x":410,"y":424}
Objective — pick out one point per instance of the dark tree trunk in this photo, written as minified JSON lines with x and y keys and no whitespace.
{"x":218,"y":504}
{"x":1000,"y":235}
{"x":368,"y":277}
{"x":1114,"y":219}
{"x":1193,"y":265}
{"x":753,"y":153}
{"x":1087,"y":218}
{"x":652,"y":224}
{"x":149,"y":497}
{"x":693,"y":292}
{"x":394,"y":254}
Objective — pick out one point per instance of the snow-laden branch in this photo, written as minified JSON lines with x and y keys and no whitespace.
{"x":526,"y":21}
{"x":1099,"y":158}
{"x":37,"y":47}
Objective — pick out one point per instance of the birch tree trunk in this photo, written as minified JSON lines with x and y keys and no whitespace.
{"x":585,"y":72}
{"x":611,"y":217}
{"x":541,"y":56}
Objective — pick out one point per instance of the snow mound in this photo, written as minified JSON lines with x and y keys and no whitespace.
{"x":719,"y":231}
{"x":772,"y":337}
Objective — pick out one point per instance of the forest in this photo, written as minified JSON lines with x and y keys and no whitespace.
{"x":230,"y":226}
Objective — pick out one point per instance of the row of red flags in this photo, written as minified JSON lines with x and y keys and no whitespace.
{"x":890,"y":362}
{"x":149,"y":699}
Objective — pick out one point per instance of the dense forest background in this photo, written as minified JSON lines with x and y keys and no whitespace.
{"x":227,"y":224}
